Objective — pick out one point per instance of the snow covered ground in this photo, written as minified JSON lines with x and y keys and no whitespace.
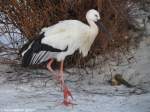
{"x":31,"y":90}
{"x":23,"y":98}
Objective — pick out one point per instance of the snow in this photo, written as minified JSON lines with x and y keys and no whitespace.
{"x":30,"y":99}
{"x":32,"y":90}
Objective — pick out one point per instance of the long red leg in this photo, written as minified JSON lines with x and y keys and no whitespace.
{"x":49,"y":65}
{"x":67,"y":92}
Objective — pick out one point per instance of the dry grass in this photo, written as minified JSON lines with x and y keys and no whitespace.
{"x":31,"y":15}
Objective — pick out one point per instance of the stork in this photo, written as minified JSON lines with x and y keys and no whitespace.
{"x":61,"y":40}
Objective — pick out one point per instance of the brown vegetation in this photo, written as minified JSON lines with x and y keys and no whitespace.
{"x":30,"y":16}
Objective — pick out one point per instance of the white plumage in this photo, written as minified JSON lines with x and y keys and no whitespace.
{"x":61,"y":40}
{"x":72,"y":33}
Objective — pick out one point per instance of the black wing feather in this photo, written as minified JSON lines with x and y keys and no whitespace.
{"x":36,"y":47}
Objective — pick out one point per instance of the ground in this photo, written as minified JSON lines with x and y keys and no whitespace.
{"x":32,"y":90}
{"x":23,"y":98}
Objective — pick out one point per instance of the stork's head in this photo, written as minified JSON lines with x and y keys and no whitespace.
{"x":93,"y":15}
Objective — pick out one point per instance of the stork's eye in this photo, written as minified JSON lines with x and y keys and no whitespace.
{"x":96,"y":16}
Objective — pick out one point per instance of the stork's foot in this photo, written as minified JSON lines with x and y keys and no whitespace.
{"x":67,"y":97}
{"x":67,"y":103}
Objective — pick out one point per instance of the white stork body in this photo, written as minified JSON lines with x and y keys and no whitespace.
{"x":61,"y":40}
{"x":69,"y":33}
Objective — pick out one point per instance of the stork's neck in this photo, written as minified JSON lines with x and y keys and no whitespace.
{"x":93,"y":28}
{"x":93,"y":31}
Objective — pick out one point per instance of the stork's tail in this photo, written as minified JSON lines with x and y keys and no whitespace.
{"x":35,"y":52}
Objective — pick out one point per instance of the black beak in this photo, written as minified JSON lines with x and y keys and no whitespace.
{"x":104,"y":30}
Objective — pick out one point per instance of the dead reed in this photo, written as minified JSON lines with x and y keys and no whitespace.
{"x":30,"y":16}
